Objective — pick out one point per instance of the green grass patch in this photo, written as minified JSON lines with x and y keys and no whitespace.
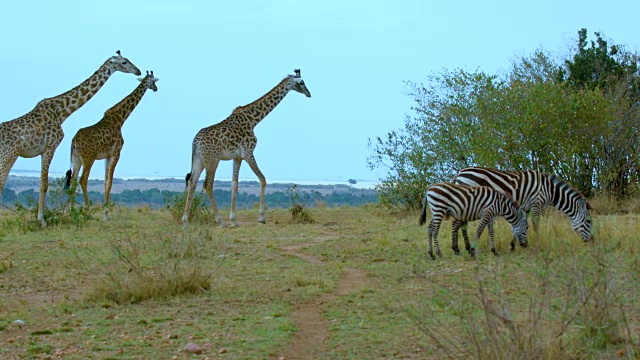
{"x":139,"y":286}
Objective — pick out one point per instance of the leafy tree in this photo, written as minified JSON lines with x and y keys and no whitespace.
{"x":532,"y":117}
{"x":8,"y":196}
{"x":435,"y":141}
{"x":613,"y":72}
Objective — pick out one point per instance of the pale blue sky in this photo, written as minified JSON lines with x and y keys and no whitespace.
{"x":212,"y":56}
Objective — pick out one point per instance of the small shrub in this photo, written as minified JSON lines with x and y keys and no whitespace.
{"x":154,"y":268}
{"x":57,"y":211}
{"x":299,"y":214}
{"x":199,"y":211}
{"x":5,"y":265}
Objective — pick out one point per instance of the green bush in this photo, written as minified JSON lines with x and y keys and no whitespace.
{"x":198,"y":213}
{"x":58,"y":210}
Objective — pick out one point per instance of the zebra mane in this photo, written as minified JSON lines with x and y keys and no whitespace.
{"x":509,"y":199}
{"x":560,"y":182}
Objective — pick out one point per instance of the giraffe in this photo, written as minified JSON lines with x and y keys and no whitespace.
{"x":39,"y":132}
{"x":104,"y":140}
{"x":234,"y":139}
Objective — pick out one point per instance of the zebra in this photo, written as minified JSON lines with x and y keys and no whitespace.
{"x":467,"y":203}
{"x":534,"y":190}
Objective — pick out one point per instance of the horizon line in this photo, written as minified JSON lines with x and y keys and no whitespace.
{"x":36,"y":173}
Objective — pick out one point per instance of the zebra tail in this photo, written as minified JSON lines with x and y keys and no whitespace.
{"x":423,"y":215}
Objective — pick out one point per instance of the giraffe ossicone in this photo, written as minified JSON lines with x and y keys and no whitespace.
{"x":234,"y":139}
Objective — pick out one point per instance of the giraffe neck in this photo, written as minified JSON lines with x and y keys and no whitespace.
{"x":260,"y":108}
{"x":65,"y":104}
{"x":119,"y":113}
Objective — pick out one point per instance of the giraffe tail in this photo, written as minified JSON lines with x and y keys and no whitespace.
{"x":186,"y":180}
{"x":67,"y":180}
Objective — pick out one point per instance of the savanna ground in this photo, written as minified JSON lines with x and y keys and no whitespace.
{"x":354,"y":284}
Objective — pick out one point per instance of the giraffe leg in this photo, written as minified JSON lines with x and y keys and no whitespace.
{"x":263,"y":183}
{"x":196,"y":169}
{"x":7,"y":162}
{"x":47,"y":155}
{"x":109,"y":168}
{"x":84,"y":180}
{"x":208,"y":187}
{"x":76,"y":164}
{"x":234,"y":191}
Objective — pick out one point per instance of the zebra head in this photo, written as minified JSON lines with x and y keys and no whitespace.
{"x":521,"y":227}
{"x":581,"y":220}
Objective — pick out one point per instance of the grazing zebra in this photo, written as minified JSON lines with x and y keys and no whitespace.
{"x":467,"y":203}
{"x":534,"y":190}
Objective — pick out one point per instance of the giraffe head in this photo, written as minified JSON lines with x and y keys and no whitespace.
{"x":149,"y":81}
{"x":120,"y":63}
{"x":296,"y":83}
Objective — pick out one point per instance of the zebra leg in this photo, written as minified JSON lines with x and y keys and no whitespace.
{"x":465,"y":236}
{"x":435,"y":240}
{"x":536,"y":208}
{"x":491,"y":242}
{"x":429,"y":239}
{"x":483,"y":222}
{"x":454,"y":236}
{"x":434,"y":227}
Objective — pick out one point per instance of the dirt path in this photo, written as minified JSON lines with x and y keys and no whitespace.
{"x":313,"y":328}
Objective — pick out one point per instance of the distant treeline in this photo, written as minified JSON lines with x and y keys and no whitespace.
{"x":156,"y":198}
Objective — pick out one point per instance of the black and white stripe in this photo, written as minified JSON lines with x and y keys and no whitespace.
{"x":467,"y":203}
{"x":534,"y":190}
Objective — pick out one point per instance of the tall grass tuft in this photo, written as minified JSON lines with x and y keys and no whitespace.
{"x":556,"y":299}
{"x":152,"y":268}
{"x":5,"y":265}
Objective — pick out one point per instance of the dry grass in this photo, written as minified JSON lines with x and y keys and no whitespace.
{"x":560,"y":298}
{"x":140,"y":287}
{"x":152,"y":268}
{"x":604,"y":204}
